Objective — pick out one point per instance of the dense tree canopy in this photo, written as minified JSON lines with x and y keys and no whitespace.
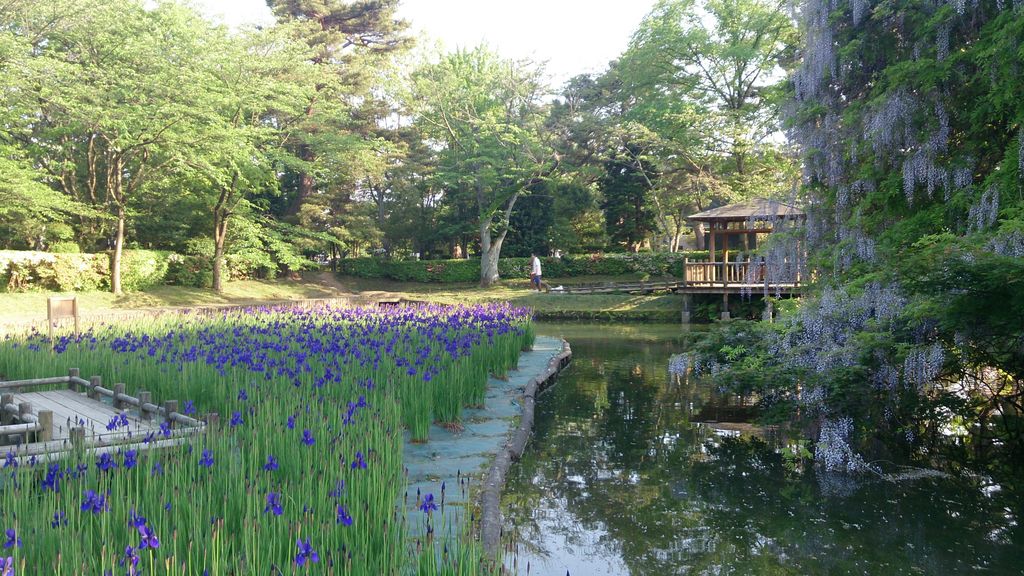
{"x":259,"y":151}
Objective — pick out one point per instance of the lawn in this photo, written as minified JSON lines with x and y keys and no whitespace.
{"x":31,"y":306}
{"x":545,"y":305}
{"x":26,"y":307}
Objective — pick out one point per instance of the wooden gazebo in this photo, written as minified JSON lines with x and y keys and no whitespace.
{"x":746,"y":220}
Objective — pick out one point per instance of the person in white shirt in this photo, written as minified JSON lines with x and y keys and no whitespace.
{"x":535,"y":271}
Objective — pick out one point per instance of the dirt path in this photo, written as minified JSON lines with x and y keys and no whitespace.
{"x":329,"y":280}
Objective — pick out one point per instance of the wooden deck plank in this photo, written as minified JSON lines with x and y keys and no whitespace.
{"x":68,"y":405}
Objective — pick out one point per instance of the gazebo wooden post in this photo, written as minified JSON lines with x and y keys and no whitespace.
{"x":711,"y":250}
{"x":725,"y":245}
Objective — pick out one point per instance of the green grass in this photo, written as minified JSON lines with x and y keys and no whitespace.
{"x":31,"y":306}
{"x":551,"y":305}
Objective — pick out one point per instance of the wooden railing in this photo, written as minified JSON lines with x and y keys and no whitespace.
{"x":20,"y":418}
{"x":737,"y":273}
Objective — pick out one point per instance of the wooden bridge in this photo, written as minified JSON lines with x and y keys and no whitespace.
{"x":41,"y":421}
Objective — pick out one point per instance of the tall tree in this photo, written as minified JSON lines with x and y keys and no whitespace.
{"x":116,"y":107}
{"x":27,"y":203}
{"x":626,"y":188}
{"x":487,"y":113}
{"x":707,"y":72}
{"x":353,"y":41}
{"x":257,"y":84}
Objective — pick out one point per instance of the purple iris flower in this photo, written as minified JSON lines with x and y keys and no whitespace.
{"x":53,"y":477}
{"x":59,"y":519}
{"x":206,"y":459}
{"x":106,"y":462}
{"x":306,"y":553}
{"x":7,"y":566}
{"x":10,"y":460}
{"x":189,"y":408}
{"x":358,"y":462}
{"x":149,"y":539}
{"x":339,"y":487}
{"x":428,"y":504}
{"x":343,"y":517}
{"x":273,"y":504}
{"x":131,"y":458}
{"x":95,"y":503}
{"x":243,"y":395}
{"x":271,"y":464}
{"x":236,"y":419}
{"x":291,"y":422}
{"x":131,"y":558}
{"x":12,"y":539}
{"x":307,"y":437}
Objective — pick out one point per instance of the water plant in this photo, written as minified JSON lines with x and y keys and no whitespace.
{"x":306,"y":473}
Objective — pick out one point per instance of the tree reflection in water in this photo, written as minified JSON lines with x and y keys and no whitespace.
{"x":618,"y":480}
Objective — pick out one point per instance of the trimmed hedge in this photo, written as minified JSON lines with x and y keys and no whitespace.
{"x":65,"y":272}
{"x":568,"y":266}
{"x":22,"y":271}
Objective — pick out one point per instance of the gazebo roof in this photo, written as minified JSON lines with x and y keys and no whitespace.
{"x":757,"y":209}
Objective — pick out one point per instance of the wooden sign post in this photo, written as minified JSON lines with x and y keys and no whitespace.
{"x":60,"y":308}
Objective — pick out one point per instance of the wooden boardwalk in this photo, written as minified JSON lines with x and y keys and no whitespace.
{"x":51,"y":422}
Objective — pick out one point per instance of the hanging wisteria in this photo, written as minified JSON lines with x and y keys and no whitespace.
{"x":833,"y":449}
{"x":922,"y":365}
{"x":1011,"y":244}
{"x":909,"y":133}
{"x":985,"y":212}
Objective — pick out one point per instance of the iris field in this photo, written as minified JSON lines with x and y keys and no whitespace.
{"x":303,"y":475}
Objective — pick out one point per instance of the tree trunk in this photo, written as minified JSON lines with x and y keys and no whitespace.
{"x":220,"y":233}
{"x":488,"y":261}
{"x":698,"y":232}
{"x":115,"y":261}
{"x":307,"y":183}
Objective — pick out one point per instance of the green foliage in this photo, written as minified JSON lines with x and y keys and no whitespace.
{"x":64,"y":272}
{"x":627,"y":205}
{"x":65,"y":247}
{"x":190,"y":270}
{"x":486,"y":115}
{"x":913,"y":153}
{"x":142,"y":269}
{"x":652,"y":264}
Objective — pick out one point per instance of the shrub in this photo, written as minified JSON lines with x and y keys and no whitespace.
{"x":193,"y":271}
{"x":30,"y":270}
{"x":80,"y":272}
{"x":142,"y":269}
{"x":65,"y":248}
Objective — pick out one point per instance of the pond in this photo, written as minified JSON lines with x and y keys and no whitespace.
{"x":617,"y":480}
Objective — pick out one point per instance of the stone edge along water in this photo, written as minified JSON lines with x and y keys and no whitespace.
{"x":490,"y":497}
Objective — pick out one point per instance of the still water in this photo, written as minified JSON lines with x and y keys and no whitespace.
{"x":617,"y":480}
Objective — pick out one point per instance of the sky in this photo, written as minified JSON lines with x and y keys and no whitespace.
{"x":571,"y":36}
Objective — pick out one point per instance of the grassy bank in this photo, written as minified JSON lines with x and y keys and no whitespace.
{"x":31,"y":306}
{"x":550,"y":305}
